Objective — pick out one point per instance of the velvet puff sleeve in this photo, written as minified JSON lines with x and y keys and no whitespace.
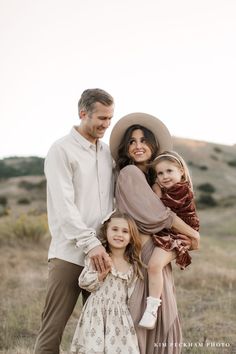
{"x":88,"y":278}
{"x":135,"y":197}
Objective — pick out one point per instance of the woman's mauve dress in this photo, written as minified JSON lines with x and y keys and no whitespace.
{"x":135,"y":197}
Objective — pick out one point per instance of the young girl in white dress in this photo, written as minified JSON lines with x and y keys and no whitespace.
{"x":105,"y":325}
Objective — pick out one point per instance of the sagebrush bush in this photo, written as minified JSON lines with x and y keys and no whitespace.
{"x":206,"y":187}
{"x":217,"y":149}
{"x":25,"y":227}
{"x":3,"y":200}
{"x":203,"y":168}
{"x":206,"y":200}
{"x":232,"y":163}
{"x":23,"y":201}
{"x":29,"y":185}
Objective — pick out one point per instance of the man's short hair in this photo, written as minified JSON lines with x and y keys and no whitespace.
{"x":91,"y":96}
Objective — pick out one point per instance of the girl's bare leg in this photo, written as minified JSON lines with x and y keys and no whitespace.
{"x":159,"y":259}
{"x":157,"y":262}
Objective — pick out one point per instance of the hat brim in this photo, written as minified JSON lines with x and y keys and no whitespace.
{"x":155,"y":125}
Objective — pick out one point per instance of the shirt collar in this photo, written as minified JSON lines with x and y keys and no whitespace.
{"x":83,"y":141}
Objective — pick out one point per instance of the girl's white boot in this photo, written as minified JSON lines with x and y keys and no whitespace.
{"x":150,"y":315}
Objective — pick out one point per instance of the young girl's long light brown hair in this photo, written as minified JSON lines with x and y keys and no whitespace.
{"x":132,"y":252}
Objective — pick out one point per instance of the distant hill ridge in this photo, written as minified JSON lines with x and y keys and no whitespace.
{"x":21,"y":166}
{"x":210,"y":163}
{"x":212,"y":167}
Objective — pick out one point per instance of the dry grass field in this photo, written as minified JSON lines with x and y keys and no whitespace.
{"x":205,"y":291}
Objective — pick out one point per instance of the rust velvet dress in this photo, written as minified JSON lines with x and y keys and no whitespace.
{"x":179,"y":199}
{"x":135,"y":197}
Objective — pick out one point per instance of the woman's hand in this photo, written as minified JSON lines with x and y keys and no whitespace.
{"x":195,"y":239}
{"x":195,"y":243}
{"x":182,"y":228}
{"x":190,"y":243}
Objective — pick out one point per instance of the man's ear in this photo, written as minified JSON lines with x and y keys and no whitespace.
{"x":83,"y":114}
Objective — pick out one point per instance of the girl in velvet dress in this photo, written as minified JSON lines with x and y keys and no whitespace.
{"x":174,"y":187}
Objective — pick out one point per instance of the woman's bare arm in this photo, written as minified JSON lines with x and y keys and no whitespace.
{"x":180,"y":226}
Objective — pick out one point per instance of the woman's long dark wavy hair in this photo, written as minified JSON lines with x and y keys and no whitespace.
{"x":123,"y":154}
{"x":132,"y":252}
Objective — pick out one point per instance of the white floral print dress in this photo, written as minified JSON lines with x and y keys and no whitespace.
{"x":105,"y":325}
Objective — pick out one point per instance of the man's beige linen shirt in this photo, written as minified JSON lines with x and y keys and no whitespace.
{"x":79,"y":195}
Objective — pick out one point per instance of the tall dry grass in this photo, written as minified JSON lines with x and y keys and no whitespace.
{"x":205,"y":290}
{"x":23,"y":228}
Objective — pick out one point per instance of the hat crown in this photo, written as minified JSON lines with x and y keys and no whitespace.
{"x":155,"y":125}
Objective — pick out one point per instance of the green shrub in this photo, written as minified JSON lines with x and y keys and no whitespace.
{"x":23,"y":201}
{"x":203,"y":168}
{"x":26,"y":185}
{"x":217,"y":149}
{"x":232,"y":163}
{"x":206,"y":187}
{"x":206,"y":200}
{"x":29,"y":185}
{"x":3,"y":200}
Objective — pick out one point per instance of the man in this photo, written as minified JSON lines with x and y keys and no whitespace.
{"x":78,"y":170}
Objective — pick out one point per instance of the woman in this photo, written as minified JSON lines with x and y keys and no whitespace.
{"x":135,"y":141}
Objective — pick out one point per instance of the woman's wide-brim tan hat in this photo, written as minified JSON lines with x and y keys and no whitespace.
{"x":155,"y":125}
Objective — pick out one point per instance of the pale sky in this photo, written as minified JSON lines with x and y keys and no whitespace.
{"x":175,"y":59}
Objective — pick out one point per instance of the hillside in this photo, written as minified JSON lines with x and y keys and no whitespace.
{"x":211,"y":163}
{"x":21,"y":166}
{"x":212,"y":166}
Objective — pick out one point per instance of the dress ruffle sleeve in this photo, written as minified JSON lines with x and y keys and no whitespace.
{"x":88,"y":278}
{"x":135,"y":197}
